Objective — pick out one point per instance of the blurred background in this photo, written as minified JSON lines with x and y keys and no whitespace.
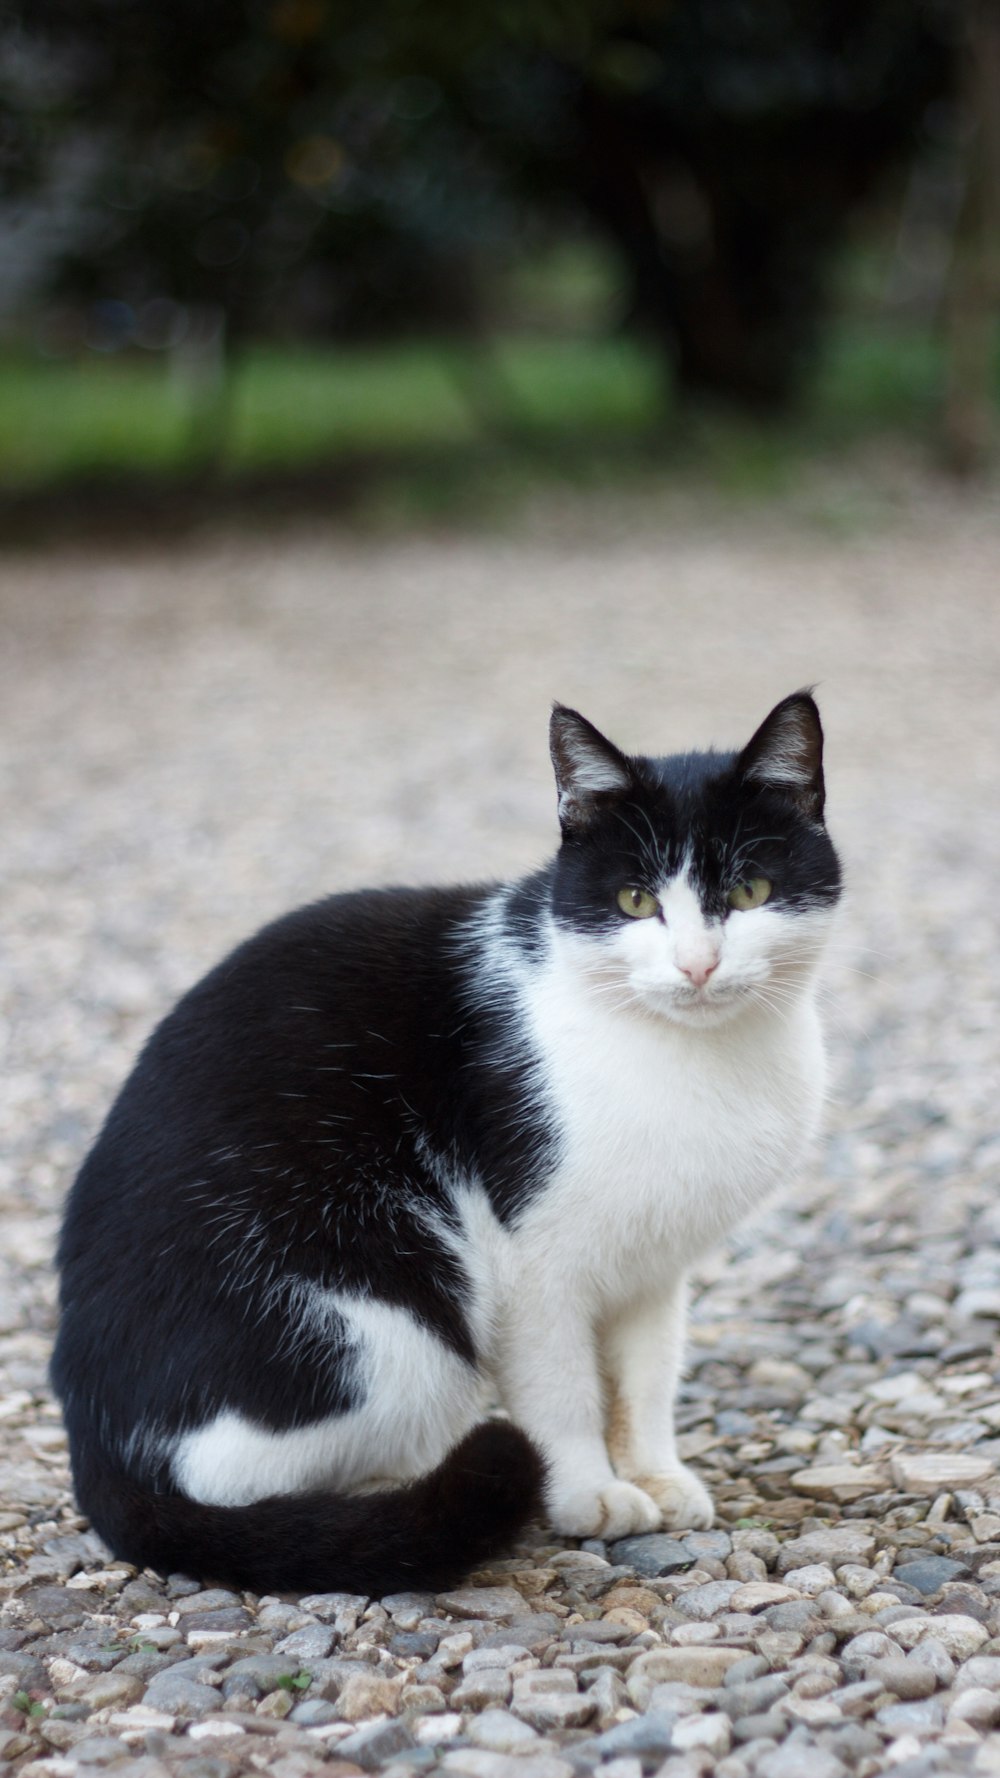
{"x":311,"y":250}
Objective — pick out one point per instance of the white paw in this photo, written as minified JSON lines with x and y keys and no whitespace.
{"x":684,"y":1503}
{"x":616,"y":1509}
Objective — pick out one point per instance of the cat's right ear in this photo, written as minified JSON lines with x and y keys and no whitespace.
{"x":589,"y":768}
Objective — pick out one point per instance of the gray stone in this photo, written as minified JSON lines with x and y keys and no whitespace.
{"x":795,"y":1761}
{"x":929,"y":1573}
{"x":932,"y":1654}
{"x":979,"y":1670}
{"x":232,"y":1618}
{"x":734,"y":1423}
{"x":205,"y":1599}
{"x":751,"y":1667}
{"x":550,"y":1712}
{"x":770,"y":1725}
{"x":644,"y":1737}
{"x":835,"y":1546}
{"x":313,"y":1643}
{"x":180,"y":1696}
{"x":717,"y":1544}
{"x":752,"y":1698}
{"x":905,"y":1677}
{"x":59,"y":1607}
{"x":607,"y":1693}
{"x":481,"y":1762}
{"x":500,"y":1731}
{"x":794,"y":1614}
{"x":27,"y":1669}
{"x":702,"y":1603}
{"x":144,"y":1664}
{"x":533,"y":1632}
{"x":499,"y":1604}
{"x":99,"y":1750}
{"x":313,"y":1711}
{"x":414,"y":1642}
{"x":94,"y":1656}
{"x":652,"y":1555}
{"x":376,"y":1743}
{"x":852,"y":1742}
{"x":479,"y":1690}
{"x":868,"y":1646}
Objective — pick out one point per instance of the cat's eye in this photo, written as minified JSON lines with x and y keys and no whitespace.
{"x":751,"y":893}
{"x":638,"y":904}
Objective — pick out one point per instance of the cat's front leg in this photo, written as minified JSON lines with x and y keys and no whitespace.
{"x":550,"y":1383}
{"x":642,"y":1351}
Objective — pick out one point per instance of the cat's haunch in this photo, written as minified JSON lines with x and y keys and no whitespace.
{"x":410,"y":1154}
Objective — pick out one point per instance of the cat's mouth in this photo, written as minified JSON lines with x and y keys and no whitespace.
{"x":697,"y":1007}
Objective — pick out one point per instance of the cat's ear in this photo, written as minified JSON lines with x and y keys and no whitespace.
{"x":588,"y":767}
{"x":786,"y":754}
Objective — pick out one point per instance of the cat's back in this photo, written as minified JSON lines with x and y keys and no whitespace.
{"x":321,"y":1015}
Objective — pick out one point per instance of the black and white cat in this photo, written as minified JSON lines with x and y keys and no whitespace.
{"x":407,"y":1152}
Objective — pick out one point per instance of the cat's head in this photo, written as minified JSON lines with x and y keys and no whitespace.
{"x":698,"y":886}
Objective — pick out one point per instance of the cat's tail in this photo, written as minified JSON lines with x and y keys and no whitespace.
{"x":424,"y":1536}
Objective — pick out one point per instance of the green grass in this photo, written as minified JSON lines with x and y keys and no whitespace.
{"x":293,"y":407}
{"x":444,"y":427}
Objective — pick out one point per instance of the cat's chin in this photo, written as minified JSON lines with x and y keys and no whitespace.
{"x":699,"y":1013}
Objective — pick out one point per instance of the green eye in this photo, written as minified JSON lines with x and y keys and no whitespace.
{"x":638,"y":904}
{"x":750,"y":894}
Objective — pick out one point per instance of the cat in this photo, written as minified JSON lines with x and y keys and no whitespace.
{"x":410,"y":1151}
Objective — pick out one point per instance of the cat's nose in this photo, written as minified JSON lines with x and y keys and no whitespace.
{"x":698,"y":971}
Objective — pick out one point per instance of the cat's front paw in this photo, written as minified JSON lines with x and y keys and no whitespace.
{"x":617,"y":1509}
{"x":684,"y":1503}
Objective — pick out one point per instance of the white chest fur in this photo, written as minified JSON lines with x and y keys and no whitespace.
{"x":668,"y":1135}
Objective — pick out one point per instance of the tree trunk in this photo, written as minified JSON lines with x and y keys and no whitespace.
{"x":974,"y":287}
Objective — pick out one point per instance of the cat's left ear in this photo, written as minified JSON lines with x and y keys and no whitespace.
{"x":589,"y":768}
{"x":786,"y":754}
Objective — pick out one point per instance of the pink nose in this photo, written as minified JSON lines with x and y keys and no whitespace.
{"x":698,"y":973}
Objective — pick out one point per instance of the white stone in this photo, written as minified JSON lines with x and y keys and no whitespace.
{"x":712,"y":1731}
{"x":428,"y":1730}
{"x":480,"y":1762}
{"x":961,"y":1636}
{"x":839,"y":1481}
{"x":499,"y":1604}
{"x":214,"y":1728}
{"x":895,"y":1389}
{"x":756,"y":1594}
{"x":816,"y":1712}
{"x":812,"y":1579}
{"x":544,"y":1679}
{"x":927,"y":1472}
{"x":705,"y":1666}
{"x":979,"y":1705}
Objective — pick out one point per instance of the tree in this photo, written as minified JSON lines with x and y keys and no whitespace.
{"x":346,"y":167}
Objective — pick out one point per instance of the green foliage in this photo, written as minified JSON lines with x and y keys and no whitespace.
{"x":294,"y":1682}
{"x":308,"y":166}
{"x":415,"y":433}
{"x":26,"y":1705}
{"x":294,"y":407}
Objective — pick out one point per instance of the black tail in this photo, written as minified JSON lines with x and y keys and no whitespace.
{"x":423,"y":1537}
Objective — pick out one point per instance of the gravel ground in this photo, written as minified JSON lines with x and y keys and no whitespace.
{"x":194,"y":740}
